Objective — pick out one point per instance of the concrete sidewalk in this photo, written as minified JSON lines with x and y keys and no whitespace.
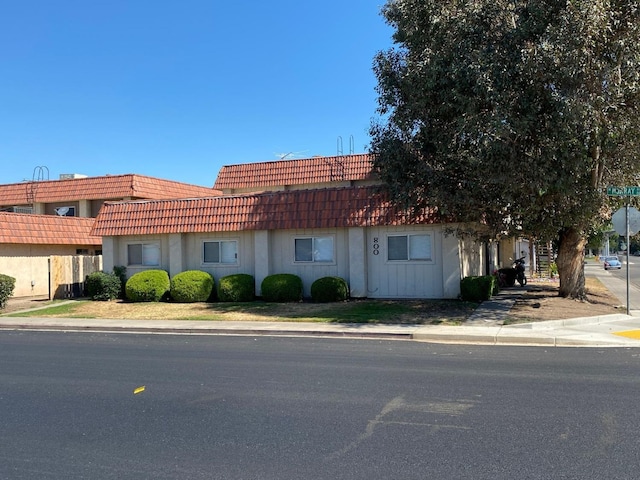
{"x":602,"y":331}
{"x":483,"y":327}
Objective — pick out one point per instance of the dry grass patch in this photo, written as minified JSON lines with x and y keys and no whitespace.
{"x":355,"y":311}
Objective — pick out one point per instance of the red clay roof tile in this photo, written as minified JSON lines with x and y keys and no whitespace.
{"x":113,"y":187}
{"x":320,"y":208}
{"x":295,"y":172}
{"x":20,"y":228}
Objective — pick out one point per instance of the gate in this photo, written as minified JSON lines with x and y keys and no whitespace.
{"x":67,"y":274}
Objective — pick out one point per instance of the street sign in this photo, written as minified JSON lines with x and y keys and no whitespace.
{"x":623,"y":191}
{"x":619,"y":220}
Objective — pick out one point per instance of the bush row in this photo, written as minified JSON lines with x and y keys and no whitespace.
{"x":478,"y":289}
{"x":197,"y":286}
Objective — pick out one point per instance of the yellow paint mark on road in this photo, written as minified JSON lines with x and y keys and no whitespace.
{"x":629,"y":334}
{"x":139,"y":390}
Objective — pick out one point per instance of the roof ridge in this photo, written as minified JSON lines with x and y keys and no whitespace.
{"x":285,"y":160}
{"x":265,"y":193}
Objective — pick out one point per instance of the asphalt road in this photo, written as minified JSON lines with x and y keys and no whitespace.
{"x":634,"y":270}
{"x":281,"y":408}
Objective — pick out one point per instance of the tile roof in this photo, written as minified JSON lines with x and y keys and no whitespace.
{"x":46,"y":230}
{"x":295,"y":172}
{"x":114,"y":187}
{"x":318,"y":208}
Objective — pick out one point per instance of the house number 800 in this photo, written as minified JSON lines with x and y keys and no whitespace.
{"x":376,"y":246}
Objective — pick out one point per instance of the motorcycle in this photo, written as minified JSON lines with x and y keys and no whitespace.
{"x":518,"y":266}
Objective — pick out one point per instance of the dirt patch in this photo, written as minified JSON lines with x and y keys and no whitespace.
{"x":25,"y":303}
{"x":541,"y":302}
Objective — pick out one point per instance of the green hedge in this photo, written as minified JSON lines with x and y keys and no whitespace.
{"x":282,"y":287}
{"x":478,"y":289}
{"x":191,"y":286}
{"x":121,"y":273}
{"x":103,"y":286}
{"x":329,"y":289}
{"x":240,"y":287}
{"x":7,"y":284}
{"x":148,"y":286}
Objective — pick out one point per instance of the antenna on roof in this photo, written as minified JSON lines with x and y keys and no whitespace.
{"x":351,"y":145}
{"x":339,"y":145}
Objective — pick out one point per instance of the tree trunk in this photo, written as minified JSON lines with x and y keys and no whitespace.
{"x":570,"y":263}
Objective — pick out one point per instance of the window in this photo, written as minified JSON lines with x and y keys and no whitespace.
{"x":409,"y":247}
{"x":225,"y":252}
{"x":147,"y":254}
{"x":314,"y":249}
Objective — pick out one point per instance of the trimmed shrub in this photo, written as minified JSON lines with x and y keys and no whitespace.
{"x":282,"y":287}
{"x":329,"y":289}
{"x":148,"y":286}
{"x":478,"y":289}
{"x":121,"y":273}
{"x":7,"y":284}
{"x":191,"y":286}
{"x":103,"y":286}
{"x":240,"y":287}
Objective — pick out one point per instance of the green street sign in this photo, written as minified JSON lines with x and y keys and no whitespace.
{"x":623,"y":191}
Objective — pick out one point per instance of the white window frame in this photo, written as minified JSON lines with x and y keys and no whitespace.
{"x":315,"y":252}
{"x":146,"y":260}
{"x":412,"y":256}
{"x":220,"y":261}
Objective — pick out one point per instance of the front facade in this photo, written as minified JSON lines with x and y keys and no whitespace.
{"x":353,"y":232}
{"x":29,"y":242}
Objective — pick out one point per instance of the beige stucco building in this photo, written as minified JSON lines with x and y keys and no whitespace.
{"x":345,"y":227}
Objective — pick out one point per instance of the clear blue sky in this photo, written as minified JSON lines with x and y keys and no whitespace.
{"x":177,"y":89}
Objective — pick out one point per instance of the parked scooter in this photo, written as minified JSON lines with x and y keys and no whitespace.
{"x":518,"y":266}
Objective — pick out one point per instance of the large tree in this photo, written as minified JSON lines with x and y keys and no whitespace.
{"x":515,"y":114}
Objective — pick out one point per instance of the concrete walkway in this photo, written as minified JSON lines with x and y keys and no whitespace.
{"x":483,"y":327}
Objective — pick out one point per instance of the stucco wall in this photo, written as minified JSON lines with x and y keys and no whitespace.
{"x":360,"y":257}
{"x":283,"y":256}
{"x":31,"y":274}
{"x":56,"y":276}
{"x":404,"y":279}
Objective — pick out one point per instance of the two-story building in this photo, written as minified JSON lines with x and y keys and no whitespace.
{"x":322,"y":216}
{"x":44,"y":218}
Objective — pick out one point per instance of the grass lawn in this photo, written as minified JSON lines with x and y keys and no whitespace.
{"x":422,"y":312}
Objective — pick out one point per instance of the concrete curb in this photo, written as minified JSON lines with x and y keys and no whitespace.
{"x":210,"y":331}
{"x":595,"y":320}
{"x":461,"y":335}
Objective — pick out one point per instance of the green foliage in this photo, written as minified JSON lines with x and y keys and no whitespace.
{"x":191,"y":286}
{"x":7,"y":284}
{"x":239,"y":287}
{"x":478,"y":289}
{"x":103,"y":286}
{"x":329,"y":289}
{"x":282,"y":287}
{"x":121,"y":273}
{"x":511,"y":113}
{"x":148,"y":286}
